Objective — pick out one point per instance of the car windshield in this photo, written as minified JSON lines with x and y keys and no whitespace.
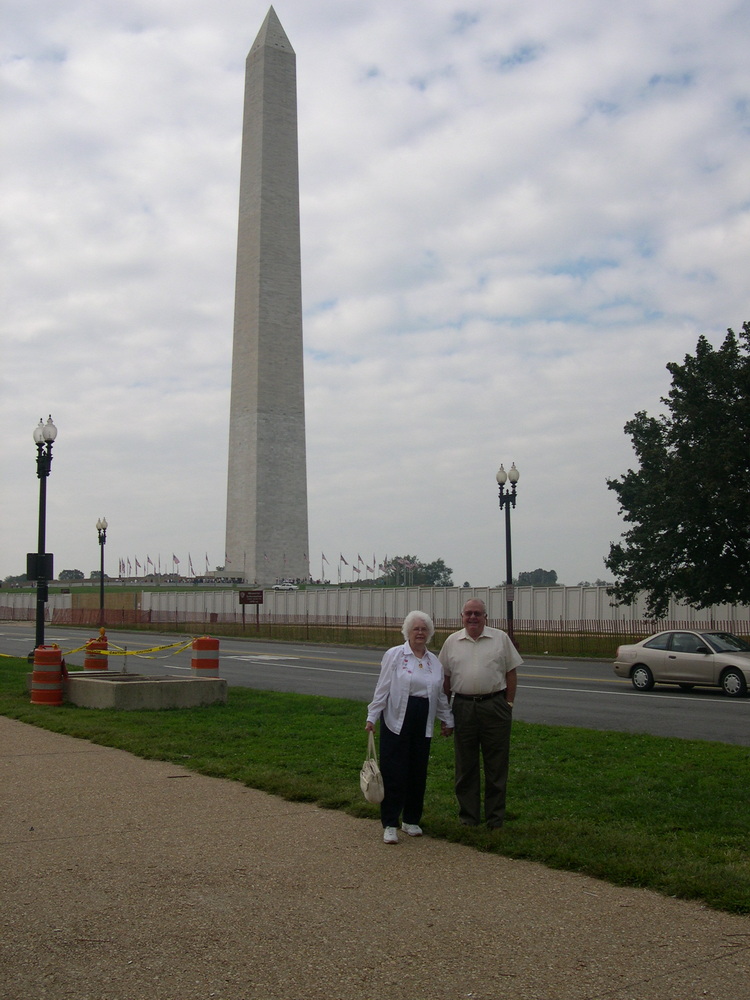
{"x":725,"y":642}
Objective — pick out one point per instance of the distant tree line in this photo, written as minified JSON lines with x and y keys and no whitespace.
{"x":537,"y":578}
{"x":410,"y":571}
{"x":548,"y":578}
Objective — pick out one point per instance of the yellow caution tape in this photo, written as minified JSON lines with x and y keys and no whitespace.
{"x":120,"y":651}
{"x":179,"y":647}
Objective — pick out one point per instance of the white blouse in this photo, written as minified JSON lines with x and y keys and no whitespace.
{"x":419,"y":680}
{"x":402,"y":676}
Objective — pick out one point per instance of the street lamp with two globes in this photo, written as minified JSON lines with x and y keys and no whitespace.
{"x":39,"y":563}
{"x":101,"y":529}
{"x":507,"y":499}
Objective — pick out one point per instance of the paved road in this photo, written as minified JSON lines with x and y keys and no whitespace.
{"x":556,"y":692}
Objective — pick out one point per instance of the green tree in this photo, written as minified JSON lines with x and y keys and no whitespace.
{"x":408,"y":570}
{"x":689,"y":502}
{"x":71,"y":574}
{"x":437,"y":574}
{"x":538,"y":578}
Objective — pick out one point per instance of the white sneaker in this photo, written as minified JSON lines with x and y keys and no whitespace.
{"x":412,"y":829}
{"x":390,"y":835}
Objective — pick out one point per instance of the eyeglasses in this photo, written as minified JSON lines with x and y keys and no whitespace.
{"x":475,"y":614}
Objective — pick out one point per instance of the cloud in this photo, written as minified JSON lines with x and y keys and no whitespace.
{"x":513,"y":216}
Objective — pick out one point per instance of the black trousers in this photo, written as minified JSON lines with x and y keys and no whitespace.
{"x":482,"y":730}
{"x":403,"y":763}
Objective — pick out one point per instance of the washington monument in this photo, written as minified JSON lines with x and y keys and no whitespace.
{"x":267,"y":486}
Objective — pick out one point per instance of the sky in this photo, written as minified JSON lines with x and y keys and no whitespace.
{"x":513,"y":214}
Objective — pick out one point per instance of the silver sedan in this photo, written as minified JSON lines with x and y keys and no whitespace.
{"x":714,"y":659}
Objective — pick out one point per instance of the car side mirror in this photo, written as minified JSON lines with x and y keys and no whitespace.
{"x":702,"y":649}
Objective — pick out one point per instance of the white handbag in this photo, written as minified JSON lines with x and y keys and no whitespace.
{"x":370,"y":778}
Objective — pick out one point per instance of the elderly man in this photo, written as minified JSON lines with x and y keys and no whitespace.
{"x":479,"y":666}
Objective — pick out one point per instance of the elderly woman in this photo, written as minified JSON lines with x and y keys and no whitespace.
{"x":408,"y":696}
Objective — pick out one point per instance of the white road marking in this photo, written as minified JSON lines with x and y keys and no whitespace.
{"x":684,"y":699}
{"x":258,"y":656}
{"x":304,"y":666}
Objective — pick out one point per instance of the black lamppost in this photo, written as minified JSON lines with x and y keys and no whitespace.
{"x":39,"y":564}
{"x":101,"y":528}
{"x":507,"y":500}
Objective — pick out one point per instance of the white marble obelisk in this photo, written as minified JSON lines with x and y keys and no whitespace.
{"x":267,"y":536}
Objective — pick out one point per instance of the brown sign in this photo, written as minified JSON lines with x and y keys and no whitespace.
{"x":251,"y":597}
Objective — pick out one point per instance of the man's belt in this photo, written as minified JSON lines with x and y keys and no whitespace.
{"x":478,"y":697}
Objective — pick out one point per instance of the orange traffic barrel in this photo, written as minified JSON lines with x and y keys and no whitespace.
{"x":93,"y":659}
{"x":47,"y":676}
{"x":205,"y":659}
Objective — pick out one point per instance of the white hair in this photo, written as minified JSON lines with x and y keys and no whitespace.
{"x":475,"y":600}
{"x":414,"y":616}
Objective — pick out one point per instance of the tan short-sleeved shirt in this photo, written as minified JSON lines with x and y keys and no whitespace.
{"x":479,"y":666}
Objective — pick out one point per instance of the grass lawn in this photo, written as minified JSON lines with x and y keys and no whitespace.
{"x":666,"y":814}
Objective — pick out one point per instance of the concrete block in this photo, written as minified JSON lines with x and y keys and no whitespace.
{"x":128,"y":692}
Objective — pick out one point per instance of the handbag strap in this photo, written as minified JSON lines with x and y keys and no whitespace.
{"x":371,"y":746}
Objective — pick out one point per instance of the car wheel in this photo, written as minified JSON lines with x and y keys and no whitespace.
{"x":642,"y":678}
{"x":687,"y":687}
{"x":733,"y":683}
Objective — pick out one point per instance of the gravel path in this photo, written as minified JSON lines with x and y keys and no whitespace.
{"x":125,"y":879}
